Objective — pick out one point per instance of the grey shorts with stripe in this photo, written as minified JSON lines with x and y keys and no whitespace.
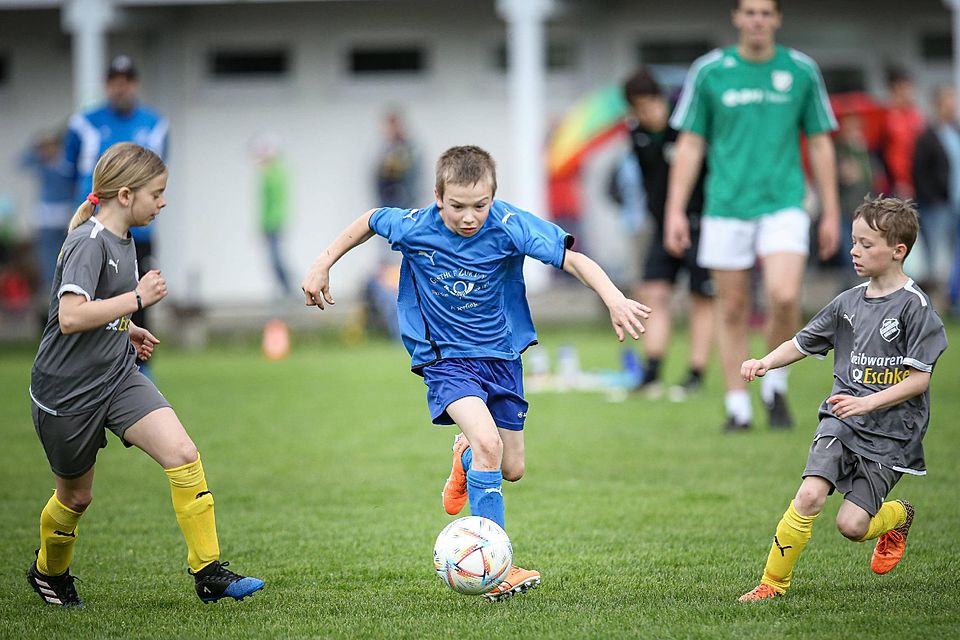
{"x":863,"y":482}
{"x":72,"y":442}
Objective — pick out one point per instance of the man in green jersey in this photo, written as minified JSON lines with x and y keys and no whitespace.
{"x":744,"y":108}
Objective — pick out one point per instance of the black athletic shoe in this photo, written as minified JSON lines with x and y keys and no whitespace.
{"x":215,"y":581}
{"x":732,"y":425}
{"x":58,"y":590}
{"x":779,"y":413}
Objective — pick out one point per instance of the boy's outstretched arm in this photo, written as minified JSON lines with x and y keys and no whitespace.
{"x":625,"y":314}
{"x":316,"y":284}
{"x":845,"y":406}
{"x":786,"y":353}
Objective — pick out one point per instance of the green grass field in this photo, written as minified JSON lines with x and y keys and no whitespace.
{"x":643,"y":518}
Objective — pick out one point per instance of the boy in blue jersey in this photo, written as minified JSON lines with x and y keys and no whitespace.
{"x":464,"y":319}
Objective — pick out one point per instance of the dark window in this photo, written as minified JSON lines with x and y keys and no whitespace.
{"x":672,"y":52}
{"x":255,"y":64}
{"x":561,"y":55}
{"x":936,"y":46}
{"x":844,"y":79}
{"x":384,"y":60}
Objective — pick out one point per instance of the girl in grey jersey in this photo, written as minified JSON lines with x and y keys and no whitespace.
{"x":85,"y":380}
{"x":886,"y":339}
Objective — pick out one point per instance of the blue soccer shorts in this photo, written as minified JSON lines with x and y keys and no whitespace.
{"x":499,"y":383}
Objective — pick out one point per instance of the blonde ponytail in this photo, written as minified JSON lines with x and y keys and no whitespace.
{"x":83,"y":213}
{"x":124,"y":164}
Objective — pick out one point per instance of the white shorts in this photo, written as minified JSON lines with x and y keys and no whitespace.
{"x":735,"y":244}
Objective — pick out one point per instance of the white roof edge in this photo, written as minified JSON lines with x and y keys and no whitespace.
{"x":54,"y":4}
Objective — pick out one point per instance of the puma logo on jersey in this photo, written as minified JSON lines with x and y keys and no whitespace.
{"x":849,"y":319}
{"x":113,"y":263}
{"x":428,"y":255}
{"x":506,"y":217}
{"x":412,"y":215}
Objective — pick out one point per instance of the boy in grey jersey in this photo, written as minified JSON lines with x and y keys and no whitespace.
{"x":886,"y":339}
{"x":85,"y":381}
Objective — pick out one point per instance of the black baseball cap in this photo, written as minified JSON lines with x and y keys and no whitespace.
{"x":122,"y":65}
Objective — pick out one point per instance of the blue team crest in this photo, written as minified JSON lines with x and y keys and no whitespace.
{"x":782,"y":80}
{"x":890,"y":329}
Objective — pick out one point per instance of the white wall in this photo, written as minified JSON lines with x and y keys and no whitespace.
{"x":209,"y":246}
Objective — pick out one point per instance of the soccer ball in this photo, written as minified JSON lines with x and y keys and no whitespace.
{"x":472,"y":555}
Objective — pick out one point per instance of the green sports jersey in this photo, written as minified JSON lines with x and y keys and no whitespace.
{"x":274,"y":190}
{"x":751,"y":115}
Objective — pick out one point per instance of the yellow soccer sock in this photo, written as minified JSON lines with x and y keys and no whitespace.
{"x":890,"y":516}
{"x":793,"y":532}
{"x":193,"y":504}
{"x":58,"y":534}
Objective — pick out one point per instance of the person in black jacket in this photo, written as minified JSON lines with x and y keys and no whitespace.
{"x":936,"y":175}
{"x":653,"y":143}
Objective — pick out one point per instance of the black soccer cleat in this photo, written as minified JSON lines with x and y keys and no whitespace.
{"x":732,"y":425}
{"x":778,"y":412}
{"x":215,"y":581}
{"x":57,"y":590}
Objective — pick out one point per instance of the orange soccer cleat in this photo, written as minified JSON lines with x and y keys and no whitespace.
{"x":517,"y":581}
{"x":761,"y":592}
{"x":891,"y":545}
{"x":454,"y":493}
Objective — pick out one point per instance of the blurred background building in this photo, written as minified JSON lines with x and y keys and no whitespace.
{"x":321,"y":74}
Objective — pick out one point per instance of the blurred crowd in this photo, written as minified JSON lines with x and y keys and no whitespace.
{"x":889,"y":146}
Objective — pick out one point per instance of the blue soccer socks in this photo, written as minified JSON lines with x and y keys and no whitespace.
{"x":485,"y":493}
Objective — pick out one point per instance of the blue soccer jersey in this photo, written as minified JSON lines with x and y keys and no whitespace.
{"x":464,"y":297}
{"x":93,"y":132}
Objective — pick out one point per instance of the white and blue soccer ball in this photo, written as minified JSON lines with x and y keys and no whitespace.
{"x":472,"y":555}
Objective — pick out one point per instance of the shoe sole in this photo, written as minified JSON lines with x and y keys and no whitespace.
{"x":523,"y":587}
{"x":240,"y":597}
{"x":751,"y":600}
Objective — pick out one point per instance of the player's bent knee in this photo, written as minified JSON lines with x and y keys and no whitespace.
{"x":808,"y":502}
{"x":183,"y":453}
{"x":852,"y":528}
{"x":513,"y":473}
{"x":782,"y":298}
{"x":488,"y":451}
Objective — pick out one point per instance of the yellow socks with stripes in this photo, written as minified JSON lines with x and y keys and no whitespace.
{"x":890,"y":516}
{"x":793,"y":532}
{"x":58,"y":534}
{"x":193,"y":504}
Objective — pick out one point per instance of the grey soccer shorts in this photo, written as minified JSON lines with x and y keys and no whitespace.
{"x":72,"y":442}
{"x":863,"y":482}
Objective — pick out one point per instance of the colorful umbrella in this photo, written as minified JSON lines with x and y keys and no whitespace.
{"x":590,"y":122}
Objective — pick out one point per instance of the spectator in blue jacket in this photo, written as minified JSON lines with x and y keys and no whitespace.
{"x":121,"y":119}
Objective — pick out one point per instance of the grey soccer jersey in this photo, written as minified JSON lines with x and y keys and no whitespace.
{"x":74,"y":373}
{"x":875,"y":340}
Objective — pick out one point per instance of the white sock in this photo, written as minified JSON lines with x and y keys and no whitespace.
{"x":738,"y":405}
{"x":775,"y":381}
